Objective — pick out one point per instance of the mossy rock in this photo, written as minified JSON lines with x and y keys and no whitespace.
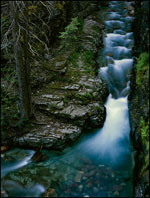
{"x":57,"y":64}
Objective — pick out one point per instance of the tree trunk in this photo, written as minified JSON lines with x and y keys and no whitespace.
{"x":20,"y":36}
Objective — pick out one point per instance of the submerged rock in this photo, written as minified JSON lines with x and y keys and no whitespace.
{"x":78,"y":176}
{"x":116,"y":193}
{"x":38,"y":157}
{"x":4,"y":148}
{"x":50,"y":193}
{"x":3,"y":193}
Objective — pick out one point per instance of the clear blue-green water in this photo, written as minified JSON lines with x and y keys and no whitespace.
{"x":75,"y":172}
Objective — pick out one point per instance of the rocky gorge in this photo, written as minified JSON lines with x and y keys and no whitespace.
{"x":68,"y":99}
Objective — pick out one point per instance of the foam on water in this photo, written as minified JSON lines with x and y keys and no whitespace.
{"x":111,"y":143}
{"x":6,"y":168}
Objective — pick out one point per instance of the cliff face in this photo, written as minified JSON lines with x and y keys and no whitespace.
{"x":139,"y":99}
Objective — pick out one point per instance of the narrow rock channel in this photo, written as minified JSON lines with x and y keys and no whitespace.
{"x":100,"y":164}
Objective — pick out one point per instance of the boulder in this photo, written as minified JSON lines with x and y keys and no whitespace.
{"x":50,"y":193}
{"x":52,"y":135}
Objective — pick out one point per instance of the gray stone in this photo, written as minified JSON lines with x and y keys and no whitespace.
{"x":71,"y":87}
{"x":88,"y":26}
{"x":55,"y":136}
{"x":80,"y":188}
{"x":74,"y":111}
{"x":50,"y":96}
{"x":78,"y":176}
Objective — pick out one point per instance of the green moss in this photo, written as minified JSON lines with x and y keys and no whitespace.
{"x":53,"y":106}
{"x":146,"y":161}
{"x":86,"y":98}
{"x":88,"y":57}
{"x":88,"y":60}
{"x":81,"y":24}
{"x":144,"y":129}
{"x":79,"y":47}
{"x":142,"y":69}
{"x":73,"y":58}
{"x":9,"y":112}
{"x":97,"y":108}
{"x":97,"y":29}
{"x":57,"y":85}
{"x":66,"y":100}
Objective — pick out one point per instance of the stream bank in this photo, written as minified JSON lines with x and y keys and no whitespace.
{"x":71,"y":96}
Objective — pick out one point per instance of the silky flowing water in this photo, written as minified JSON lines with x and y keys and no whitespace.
{"x":100,"y":164}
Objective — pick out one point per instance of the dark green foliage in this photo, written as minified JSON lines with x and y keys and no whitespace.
{"x":88,"y":59}
{"x":70,"y":33}
{"x":74,"y":58}
{"x":85,"y":98}
{"x":53,"y":106}
{"x":88,"y":55}
{"x":9,"y":114}
{"x":142,"y":69}
{"x":144,"y":130}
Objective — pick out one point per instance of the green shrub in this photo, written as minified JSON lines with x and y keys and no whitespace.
{"x":85,"y":98}
{"x":142,"y":67}
{"x":70,"y":33}
{"x":144,"y":128}
{"x":88,"y":56}
{"x":74,"y":58}
{"x":9,"y":114}
{"x":66,"y":100}
{"x":88,"y":59}
{"x":53,"y":106}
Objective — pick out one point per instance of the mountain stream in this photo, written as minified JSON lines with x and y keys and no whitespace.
{"x":100,"y":164}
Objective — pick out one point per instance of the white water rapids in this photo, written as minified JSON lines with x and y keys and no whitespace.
{"x":112,"y":142}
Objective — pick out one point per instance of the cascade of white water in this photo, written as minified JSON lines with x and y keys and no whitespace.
{"x":112,"y":141}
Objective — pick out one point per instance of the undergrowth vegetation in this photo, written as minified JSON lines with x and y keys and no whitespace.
{"x":142,"y":69}
{"x":144,"y":128}
{"x":72,"y":32}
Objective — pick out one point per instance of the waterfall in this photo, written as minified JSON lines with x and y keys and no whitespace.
{"x":112,"y":142}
